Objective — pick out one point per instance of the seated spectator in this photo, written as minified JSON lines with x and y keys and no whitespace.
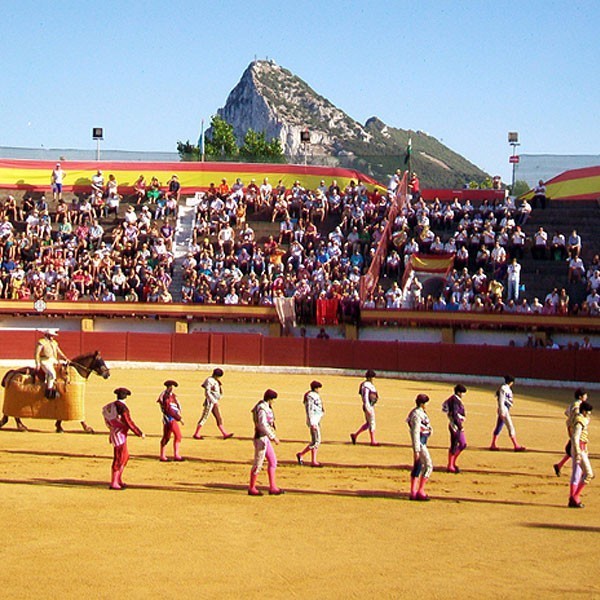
{"x":523,"y":213}
{"x":139,"y":190}
{"x":574,"y":244}
{"x":540,"y":241}
{"x":558,"y":248}
{"x":154,"y":192}
{"x":576,"y":269}
{"x":536,"y":307}
{"x":173,"y":189}
{"x":594,"y":281}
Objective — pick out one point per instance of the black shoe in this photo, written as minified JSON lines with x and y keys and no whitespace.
{"x":557,"y":470}
{"x":574,"y":504}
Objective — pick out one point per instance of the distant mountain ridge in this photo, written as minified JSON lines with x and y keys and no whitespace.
{"x":270,"y":98}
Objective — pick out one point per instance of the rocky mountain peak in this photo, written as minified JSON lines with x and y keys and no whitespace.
{"x":271,"y":99}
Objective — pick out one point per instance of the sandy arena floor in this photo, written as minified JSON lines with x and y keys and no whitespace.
{"x":500,"y":529}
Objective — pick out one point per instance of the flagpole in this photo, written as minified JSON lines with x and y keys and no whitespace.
{"x":409,"y":150}
{"x":201,"y":142}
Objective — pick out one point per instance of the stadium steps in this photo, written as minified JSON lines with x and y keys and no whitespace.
{"x":540,"y":277}
{"x":183,"y":237}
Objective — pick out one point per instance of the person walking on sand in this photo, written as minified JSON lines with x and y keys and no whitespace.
{"x":213,"y":392}
{"x":119,"y":422}
{"x":455,"y":409}
{"x":572,"y":411}
{"x":504,"y":397}
{"x":313,"y":404}
{"x":420,"y":430}
{"x":172,"y":421}
{"x":264,"y":438}
{"x":369,"y":396}
{"x":581,"y":473}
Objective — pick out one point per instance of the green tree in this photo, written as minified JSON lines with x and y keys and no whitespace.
{"x":222,"y":144}
{"x":257,"y":149}
{"x":187,"y":151}
{"x":521,"y":187}
{"x":275,"y":151}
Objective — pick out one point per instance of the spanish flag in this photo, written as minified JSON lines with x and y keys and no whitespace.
{"x":427,"y":267}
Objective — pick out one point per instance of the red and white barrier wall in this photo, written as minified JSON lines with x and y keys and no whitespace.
{"x":258,"y":350}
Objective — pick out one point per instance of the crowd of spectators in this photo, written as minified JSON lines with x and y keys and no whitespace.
{"x":320,"y":269}
{"x":96,"y":249}
{"x":487,"y":242}
{"x":78,"y":252}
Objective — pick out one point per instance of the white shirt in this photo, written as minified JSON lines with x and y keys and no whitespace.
{"x":505,"y":399}
{"x":212,"y":390}
{"x":314,"y":408}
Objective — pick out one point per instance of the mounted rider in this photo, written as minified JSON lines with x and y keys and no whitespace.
{"x":47,"y":356}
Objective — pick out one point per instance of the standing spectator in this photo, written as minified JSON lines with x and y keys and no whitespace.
{"x":455,"y":410}
{"x":98,"y":183}
{"x":213,"y":392}
{"x":56,"y":179}
{"x":118,"y":419}
{"x":171,"y":414}
{"x":513,"y":272}
{"x":504,"y":396}
{"x":313,"y":405}
{"x":264,"y":438}
{"x":266,"y":193}
{"x":112,"y":197}
{"x":582,"y":472}
{"x":414,"y":187}
{"x":420,"y":430}
{"x":539,"y":195}
{"x":369,"y":396}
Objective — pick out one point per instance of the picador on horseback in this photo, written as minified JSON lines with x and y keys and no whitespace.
{"x":47,"y":357}
{"x":54,"y":388}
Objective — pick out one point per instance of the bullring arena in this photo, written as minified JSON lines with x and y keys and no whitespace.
{"x":499,"y":529}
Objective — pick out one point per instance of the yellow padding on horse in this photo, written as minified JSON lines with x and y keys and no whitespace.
{"x":23,"y":398}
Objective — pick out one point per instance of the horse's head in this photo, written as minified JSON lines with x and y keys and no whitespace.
{"x":100,"y":367}
{"x":91,"y":363}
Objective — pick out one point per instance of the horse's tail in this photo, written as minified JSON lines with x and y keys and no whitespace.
{"x":7,"y":377}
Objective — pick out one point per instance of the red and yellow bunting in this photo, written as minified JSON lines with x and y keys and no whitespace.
{"x":34,"y":175}
{"x":576,"y":184}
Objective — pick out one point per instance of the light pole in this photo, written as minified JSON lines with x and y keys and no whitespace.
{"x":513,"y":140}
{"x":305,"y":139}
{"x":97,"y":134}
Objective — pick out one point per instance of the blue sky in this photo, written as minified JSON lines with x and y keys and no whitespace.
{"x":466,"y":72}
